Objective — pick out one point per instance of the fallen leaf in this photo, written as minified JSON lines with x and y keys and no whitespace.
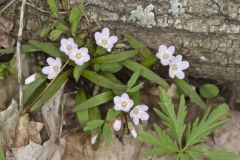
{"x":6,"y":40}
{"x":34,"y":132}
{"x":22,"y":137}
{"x":5,"y":24}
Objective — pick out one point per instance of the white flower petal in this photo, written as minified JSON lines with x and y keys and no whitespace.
{"x":93,"y":139}
{"x":165,"y":62}
{"x":117,"y":108}
{"x":142,"y":107}
{"x":31,"y":79}
{"x":113,"y":39}
{"x":172,"y":74}
{"x":52,"y":76}
{"x":184,"y":65}
{"x":83,"y":50}
{"x":180,"y":75}
{"x":125,"y":96}
{"x":136,"y":120}
{"x":144,"y":116}
{"x":117,"y":100}
{"x":47,"y":70}
{"x":105,"y":32}
{"x":178,"y":58}
{"x":171,"y":50}
{"x":50,"y":61}
{"x":162,"y":48}
{"x":117,"y":125}
{"x":58,"y":62}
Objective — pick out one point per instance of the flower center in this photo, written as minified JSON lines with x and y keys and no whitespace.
{"x":124,"y":104}
{"x":165,"y":56}
{"x":135,"y":111}
{"x":69,"y":47}
{"x":78,"y":55}
{"x":55,"y":68}
{"x":104,"y":41}
{"x":174,"y":67}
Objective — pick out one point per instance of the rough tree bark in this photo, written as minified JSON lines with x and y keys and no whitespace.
{"x":202,"y":27}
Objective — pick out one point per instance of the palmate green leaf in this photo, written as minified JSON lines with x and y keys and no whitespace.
{"x":133,"y":79}
{"x":148,"y":138}
{"x":53,"y":7}
{"x":145,"y":72}
{"x":174,"y":122}
{"x":82,"y":116}
{"x":112,"y":114}
{"x":209,"y":91}
{"x":156,"y":151}
{"x":107,"y":134}
{"x":33,"y":89}
{"x":55,"y":34}
{"x":188,"y":90}
{"x":25,"y":49}
{"x":75,"y":17}
{"x":101,"y":80}
{"x":221,"y":155}
{"x":51,"y":90}
{"x":93,"y":124}
{"x":77,"y":71}
{"x":115,"y":57}
{"x":94,"y":101}
{"x":2,"y":156}
{"x":210,"y":121}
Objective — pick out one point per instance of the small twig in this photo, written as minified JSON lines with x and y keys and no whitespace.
{"x":8,"y":5}
{"x":18,"y":54}
{"x":61,"y":118}
{"x":41,"y":10}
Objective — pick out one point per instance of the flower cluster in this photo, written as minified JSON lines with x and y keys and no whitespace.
{"x":78,"y":55}
{"x":176,"y":64}
{"x":125,"y":104}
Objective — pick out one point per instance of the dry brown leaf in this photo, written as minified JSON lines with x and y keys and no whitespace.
{"x":22,"y":137}
{"x":34,"y":132}
{"x":5,"y":24}
{"x":6,"y":40}
{"x":8,"y":123}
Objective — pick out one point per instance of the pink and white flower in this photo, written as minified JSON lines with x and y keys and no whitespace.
{"x":165,"y":54}
{"x":31,"y":78}
{"x":177,"y":66}
{"x":93,"y":139}
{"x":139,"y":112}
{"x":80,"y":56}
{"x":104,"y":39}
{"x":54,"y":67}
{"x":68,"y":45}
{"x":123,"y":103}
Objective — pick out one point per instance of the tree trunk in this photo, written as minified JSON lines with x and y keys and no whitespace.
{"x":209,"y":28}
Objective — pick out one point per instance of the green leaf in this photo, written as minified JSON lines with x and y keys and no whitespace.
{"x":25,"y":49}
{"x":101,"y":81}
{"x":2,"y":156}
{"x":33,"y":88}
{"x":148,"y":138}
{"x":94,"y":101}
{"x":77,"y":71}
{"x":107,"y":134}
{"x":188,"y":90}
{"x":55,"y":34}
{"x":93,"y":124}
{"x":100,"y":51}
{"x":111,"y":114}
{"x":44,"y":31}
{"x":210,"y":121}
{"x":111,"y":67}
{"x":135,"y":88}
{"x":145,"y":72}
{"x":51,"y":90}
{"x":75,"y":17}
{"x":133,"y":79}
{"x":53,"y":7}
{"x":82,"y":116}
{"x":209,"y":91}
{"x":60,"y":25}
{"x":50,"y":49}
{"x":115,"y":57}
{"x":156,"y":151}
{"x":222,"y":155}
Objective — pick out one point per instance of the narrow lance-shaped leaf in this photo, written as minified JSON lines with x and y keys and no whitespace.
{"x":55,"y":34}
{"x":51,"y":90}
{"x":133,"y":79}
{"x":112,"y":114}
{"x":25,"y":49}
{"x":93,"y":124}
{"x":77,"y":71}
{"x":115,"y":57}
{"x":2,"y":156}
{"x":145,"y":72}
{"x":188,"y":90}
{"x":101,"y":81}
{"x":82,"y":115}
{"x":107,"y":134}
{"x":75,"y":17}
{"x":94,"y":101}
{"x":53,"y":7}
{"x":222,"y":155}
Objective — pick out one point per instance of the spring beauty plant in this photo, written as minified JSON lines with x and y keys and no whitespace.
{"x":108,"y":73}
